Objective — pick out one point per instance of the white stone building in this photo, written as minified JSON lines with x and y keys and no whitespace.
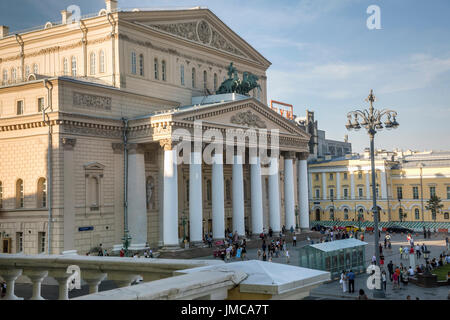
{"x":107,"y":95}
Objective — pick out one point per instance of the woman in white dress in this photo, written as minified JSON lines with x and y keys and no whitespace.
{"x":344,"y":281}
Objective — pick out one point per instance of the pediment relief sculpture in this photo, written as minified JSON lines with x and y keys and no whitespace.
{"x":199,"y":31}
{"x":249,"y":119}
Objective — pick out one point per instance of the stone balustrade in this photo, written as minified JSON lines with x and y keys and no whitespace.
{"x":94,"y":270}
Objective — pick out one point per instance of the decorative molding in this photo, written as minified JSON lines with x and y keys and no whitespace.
{"x":117,"y":147}
{"x":199,"y":31}
{"x":68,"y":143}
{"x":248,"y":118}
{"x":92,"y":101}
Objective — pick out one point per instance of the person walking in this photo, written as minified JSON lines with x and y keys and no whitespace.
{"x":287,"y":256}
{"x":351,"y":281}
{"x":344,"y":281}
{"x":384,"y":279}
{"x":294,"y":240}
{"x":390,"y":267}
{"x":447,"y":245}
{"x":395,"y":279}
{"x":401,"y":252}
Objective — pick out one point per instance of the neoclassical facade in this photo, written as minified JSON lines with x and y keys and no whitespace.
{"x":90,"y":121}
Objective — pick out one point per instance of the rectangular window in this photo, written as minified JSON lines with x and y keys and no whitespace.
{"x":416,"y":214}
{"x":19,"y":107}
{"x":331,"y":193}
{"x":182,"y":74}
{"x":345,"y":193}
{"x":133,"y":62}
{"x":399,"y":193}
{"x":360,"y":193}
{"x":345,"y":175}
{"x":448,"y":192}
{"x":331,"y":176}
{"x":317,"y":193}
{"x":432,"y":191}
{"x":19,"y":242}
{"x":415,"y":192}
{"x":360,"y":175}
{"x":317,"y":177}
{"x":41,"y":242}
{"x":40,"y":104}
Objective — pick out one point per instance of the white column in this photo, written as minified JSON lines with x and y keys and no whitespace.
{"x":137,"y":206}
{"x":218,"y":204}
{"x":238,"y":196}
{"x":352,"y":184}
{"x":324,"y":186}
{"x":170,"y":198}
{"x":289,"y":200}
{"x":36,"y":276}
{"x":338,"y":186}
{"x":368,"y":193}
{"x":195,"y":198}
{"x":10,"y":276}
{"x":383,"y":185}
{"x":274,"y":196}
{"x":303,"y":193}
{"x":256,"y":195}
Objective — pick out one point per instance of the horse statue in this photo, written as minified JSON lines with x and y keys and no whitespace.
{"x":248,"y":83}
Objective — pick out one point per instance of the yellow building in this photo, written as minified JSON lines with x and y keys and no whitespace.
{"x":340,"y":189}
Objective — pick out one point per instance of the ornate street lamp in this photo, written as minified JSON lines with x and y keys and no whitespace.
{"x":371,"y":120}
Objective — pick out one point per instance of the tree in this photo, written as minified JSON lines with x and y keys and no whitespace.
{"x":435,"y":205}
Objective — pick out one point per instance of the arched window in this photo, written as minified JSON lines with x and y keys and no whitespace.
{"x":400,"y":214}
{"x":5,"y":76}
{"x":27,"y":71}
{"x":102,"y":61}
{"x":13,"y":75}
{"x":361,"y":213}
{"x":163,"y":70}
{"x":205,"y":80}
{"x":1,"y":195}
{"x":35,"y":68}
{"x":65,"y":67}
{"x":215,"y":82}
{"x":208,"y":190}
{"x":228,"y":190}
{"x":345,"y":214}
{"x":156,"y":67}
{"x":141,"y":64}
{"x":182,"y":74}
{"x":193,"y":77}
{"x":92,"y":63}
{"x":42,"y":193}
{"x":133,"y":62}
{"x":416,"y":214}
{"x":19,"y":194}
{"x":74,"y":67}
{"x":332,"y":214}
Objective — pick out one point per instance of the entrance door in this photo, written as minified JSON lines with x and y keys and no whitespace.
{"x":6,"y":245}
{"x":317,"y":214}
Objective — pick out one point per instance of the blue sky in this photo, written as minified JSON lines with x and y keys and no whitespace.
{"x":324,"y":57}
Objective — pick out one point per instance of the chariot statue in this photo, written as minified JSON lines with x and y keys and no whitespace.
{"x":234,"y":84}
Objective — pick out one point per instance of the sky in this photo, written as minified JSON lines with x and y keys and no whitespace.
{"x":325,"y":58}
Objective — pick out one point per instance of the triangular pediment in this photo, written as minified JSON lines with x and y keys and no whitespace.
{"x":94,"y":166}
{"x":200,"y":26}
{"x":248,"y":113}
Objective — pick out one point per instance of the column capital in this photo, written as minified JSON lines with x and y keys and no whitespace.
{"x":288,"y":154}
{"x":168,"y":144}
{"x":302,"y":155}
{"x":68,"y":143}
{"x":117,"y":147}
{"x":134,"y":148}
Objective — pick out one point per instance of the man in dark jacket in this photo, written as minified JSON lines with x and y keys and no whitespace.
{"x":390,"y":269}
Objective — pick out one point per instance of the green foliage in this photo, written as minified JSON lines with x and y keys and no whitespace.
{"x":434,"y":205}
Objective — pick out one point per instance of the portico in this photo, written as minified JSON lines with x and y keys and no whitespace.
{"x":200,"y":185}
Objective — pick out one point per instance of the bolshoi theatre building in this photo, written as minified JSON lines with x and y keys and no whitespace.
{"x":90,"y":116}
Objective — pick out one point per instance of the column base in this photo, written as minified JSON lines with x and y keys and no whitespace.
{"x":138,"y":247}
{"x":171,"y":248}
{"x":196,"y":244}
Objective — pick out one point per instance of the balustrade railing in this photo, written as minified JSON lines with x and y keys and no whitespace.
{"x":67,"y":269}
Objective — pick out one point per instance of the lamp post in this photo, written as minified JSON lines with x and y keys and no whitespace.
{"x":371,"y":121}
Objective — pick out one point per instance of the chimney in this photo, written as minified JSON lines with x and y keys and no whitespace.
{"x":111,"y":5}
{"x":64,"y":16}
{"x":4,"y":31}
